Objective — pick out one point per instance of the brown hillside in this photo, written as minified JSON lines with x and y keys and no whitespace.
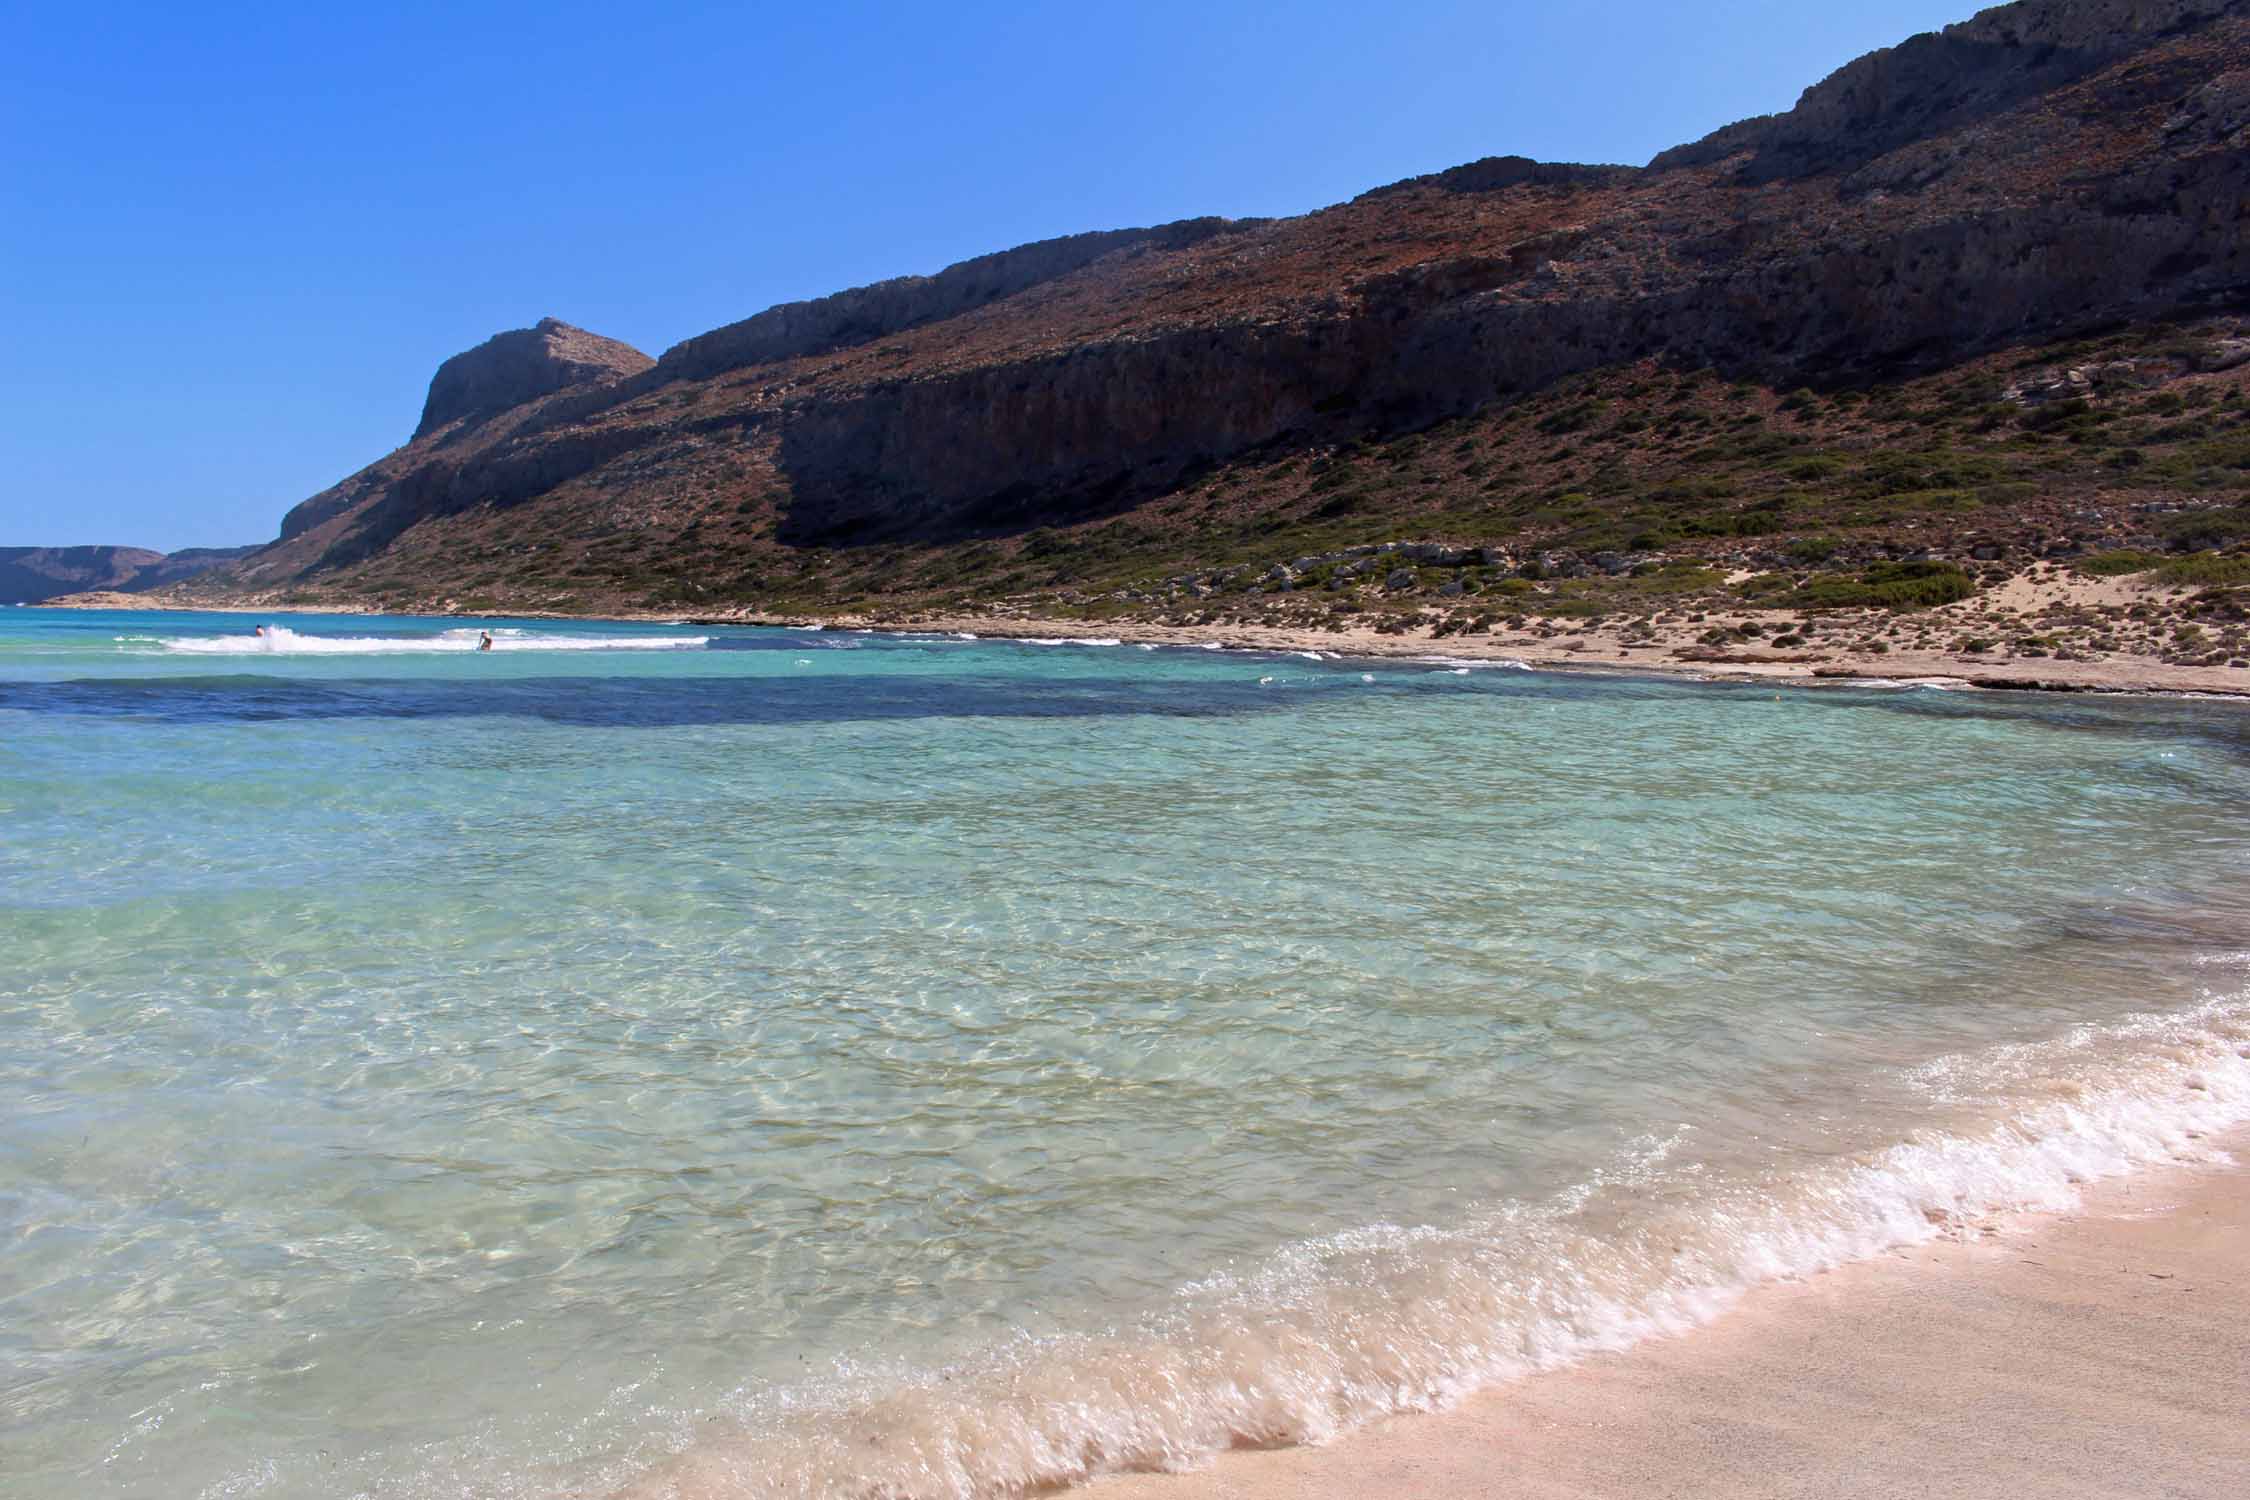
{"x":2049,"y":170}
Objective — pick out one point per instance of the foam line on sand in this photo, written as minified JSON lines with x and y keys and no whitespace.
{"x":2103,"y":1352}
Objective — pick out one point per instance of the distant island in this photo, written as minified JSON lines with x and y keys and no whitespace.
{"x":1946,"y":365}
{"x":33,"y":575}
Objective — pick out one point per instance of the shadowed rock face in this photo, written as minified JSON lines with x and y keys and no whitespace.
{"x":522,"y":365}
{"x":2043,"y":168}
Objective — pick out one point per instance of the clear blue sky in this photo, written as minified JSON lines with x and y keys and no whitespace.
{"x":235,"y":240}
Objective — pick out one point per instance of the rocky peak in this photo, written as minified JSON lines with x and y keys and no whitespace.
{"x":1942,"y":80}
{"x":522,"y":365}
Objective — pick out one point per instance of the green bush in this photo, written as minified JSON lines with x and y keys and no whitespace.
{"x":2115,"y":564}
{"x":1685,"y":576}
{"x":2202,"y":529}
{"x":2206,"y":570}
{"x":1911,"y":585}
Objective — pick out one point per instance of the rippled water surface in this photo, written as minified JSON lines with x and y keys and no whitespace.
{"x":707,"y":1061}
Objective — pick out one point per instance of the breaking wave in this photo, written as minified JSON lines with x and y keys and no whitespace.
{"x":280,"y":640}
{"x":1329,"y":1334}
{"x":1474,"y":663}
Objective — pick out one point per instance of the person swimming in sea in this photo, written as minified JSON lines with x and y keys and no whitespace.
{"x":484,"y":640}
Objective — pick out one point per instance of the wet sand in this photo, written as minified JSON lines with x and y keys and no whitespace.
{"x":2100,"y":1353}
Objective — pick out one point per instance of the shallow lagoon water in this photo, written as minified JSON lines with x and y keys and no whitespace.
{"x":798,"y":1062}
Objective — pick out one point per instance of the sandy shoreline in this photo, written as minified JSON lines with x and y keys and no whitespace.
{"x":2102,"y":1352}
{"x":1603,"y":653}
{"x":1671,"y":648}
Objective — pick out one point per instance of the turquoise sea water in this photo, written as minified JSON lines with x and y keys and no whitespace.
{"x":670,"y":1060}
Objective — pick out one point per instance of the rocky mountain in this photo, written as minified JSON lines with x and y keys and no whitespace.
{"x":29,"y":575}
{"x":522,"y":365}
{"x":2045,"y":171}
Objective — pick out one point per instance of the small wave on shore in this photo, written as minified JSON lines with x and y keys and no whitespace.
{"x":1922,"y":684}
{"x":1473,"y":663}
{"x":1327,"y":1335}
{"x":280,"y":640}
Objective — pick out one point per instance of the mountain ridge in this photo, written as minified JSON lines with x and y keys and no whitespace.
{"x":2040,"y":169}
{"x":33,"y":575}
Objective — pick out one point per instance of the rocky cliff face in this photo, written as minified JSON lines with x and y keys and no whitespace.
{"x":522,"y":365}
{"x":2045,"y":167}
{"x":795,"y":330}
{"x":1944,"y":80}
{"x":472,"y":402}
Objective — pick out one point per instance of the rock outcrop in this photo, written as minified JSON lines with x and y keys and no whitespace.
{"x":794,"y":330}
{"x":1942,"y":81}
{"x":1494,"y":174}
{"x":522,"y":365}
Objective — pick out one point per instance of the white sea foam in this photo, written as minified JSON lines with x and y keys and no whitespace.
{"x":1475,"y":663}
{"x":1933,"y":684}
{"x":280,"y":640}
{"x":1072,"y":640}
{"x":1331,"y":1333}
